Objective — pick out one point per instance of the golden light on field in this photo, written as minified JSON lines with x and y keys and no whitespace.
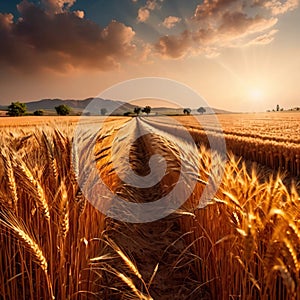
{"x":175,"y":173}
{"x":45,"y":215}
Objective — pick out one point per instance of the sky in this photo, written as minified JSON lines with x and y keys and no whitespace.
{"x":238,"y":55}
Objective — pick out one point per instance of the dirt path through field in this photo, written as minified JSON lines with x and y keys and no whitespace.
{"x":160,"y":242}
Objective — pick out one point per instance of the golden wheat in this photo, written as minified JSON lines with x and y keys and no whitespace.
{"x":49,"y":232}
{"x":244,"y":244}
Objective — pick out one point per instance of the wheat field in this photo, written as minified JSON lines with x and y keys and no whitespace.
{"x":244,"y":244}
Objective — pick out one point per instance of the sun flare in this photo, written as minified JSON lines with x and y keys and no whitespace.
{"x":256,"y":94}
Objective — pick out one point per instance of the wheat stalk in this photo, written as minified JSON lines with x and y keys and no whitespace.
{"x":37,"y":188}
{"x":64,"y":212}
{"x":10,"y":221}
{"x":10,"y":177}
{"x":128,"y":281}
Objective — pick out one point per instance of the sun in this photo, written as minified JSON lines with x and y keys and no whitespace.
{"x":256,"y":94}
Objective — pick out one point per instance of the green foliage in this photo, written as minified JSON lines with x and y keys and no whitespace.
{"x":38,"y":113}
{"x":63,"y":110}
{"x":127,"y":113}
{"x":16,"y":109}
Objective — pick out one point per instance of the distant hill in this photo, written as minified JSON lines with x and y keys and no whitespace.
{"x":90,"y":106}
{"x":179,"y":111}
{"x":211,"y":110}
{"x":93,"y":106}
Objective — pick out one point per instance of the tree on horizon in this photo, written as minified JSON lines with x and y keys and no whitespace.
{"x":16,"y":109}
{"x":137,"y":110}
{"x":103,"y":111}
{"x":63,"y":110}
{"x":146,"y":109}
{"x":201,"y":110}
{"x":187,"y":111}
{"x":38,"y":112}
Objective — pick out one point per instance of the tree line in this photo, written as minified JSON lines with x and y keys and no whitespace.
{"x":16,"y":109}
{"x":187,"y":111}
{"x":20,"y":109}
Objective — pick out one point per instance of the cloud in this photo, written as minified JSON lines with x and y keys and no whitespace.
{"x":143,"y":15}
{"x":277,"y":7}
{"x":79,"y":13}
{"x":62,"y":41}
{"x":6,"y":20}
{"x":151,"y":4}
{"x":264,"y":39}
{"x":57,"y":6}
{"x":53,"y":36}
{"x":145,"y":53}
{"x":237,"y":24}
{"x":171,"y":21}
{"x":219,"y":24}
{"x":174,"y":46}
{"x":144,"y":11}
{"x":210,"y":9}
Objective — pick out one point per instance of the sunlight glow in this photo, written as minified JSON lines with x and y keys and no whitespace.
{"x":256,"y":94}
